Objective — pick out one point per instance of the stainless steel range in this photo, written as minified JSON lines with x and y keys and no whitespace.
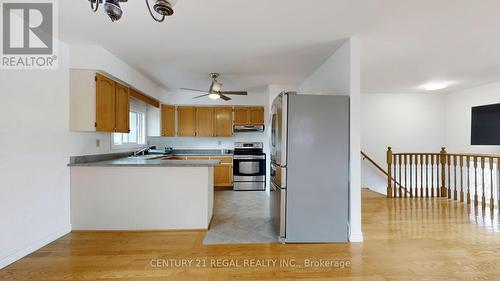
{"x":249,"y":166}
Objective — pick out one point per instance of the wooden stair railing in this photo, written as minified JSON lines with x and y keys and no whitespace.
{"x":366,"y":157}
{"x":470,"y":178}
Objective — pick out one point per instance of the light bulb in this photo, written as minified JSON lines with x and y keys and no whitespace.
{"x":214,"y":96}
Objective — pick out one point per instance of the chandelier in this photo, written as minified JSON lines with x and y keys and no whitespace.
{"x":163,"y":8}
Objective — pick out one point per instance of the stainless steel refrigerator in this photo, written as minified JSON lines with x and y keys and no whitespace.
{"x":310,"y":168}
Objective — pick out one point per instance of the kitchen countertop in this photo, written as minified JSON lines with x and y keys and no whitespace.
{"x":147,"y":161}
{"x":124,"y":160}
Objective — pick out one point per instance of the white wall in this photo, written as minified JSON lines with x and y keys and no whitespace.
{"x":34,"y":179}
{"x":458,"y":117}
{"x":406,"y":122}
{"x":98,"y":58}
{"x":340,"y":75}
{"x":333,"y":76}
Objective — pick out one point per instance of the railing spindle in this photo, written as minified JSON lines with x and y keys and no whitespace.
{"x":467,"y":159}
{"x":426,"y":175}
{"x":406,"y":173}
{"x":432,"y":175}
{"x":455,"y":177}
{"x":476,"y":198}
{"x":421,"y":175}
{"x":449,"y":176}
{"x":411,"y":175}
{"x":483,"y":183}
{"x":400,"y":188}
{"x":492,"y":201}
{"x":498,"y":185}
{"x":395,"y":189}
{"x":461,"y":179}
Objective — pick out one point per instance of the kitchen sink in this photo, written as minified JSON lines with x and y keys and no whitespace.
{"x":168,"y":158}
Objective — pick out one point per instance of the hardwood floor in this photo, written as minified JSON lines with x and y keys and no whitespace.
{"x":405,"y":239}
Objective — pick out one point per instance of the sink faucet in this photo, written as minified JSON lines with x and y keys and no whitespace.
{"x":141,"y":151}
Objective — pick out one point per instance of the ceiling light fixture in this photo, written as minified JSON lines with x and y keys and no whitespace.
{"x":214,"y":96}
{"x":434,"y":86}
{"x":164,"y":8}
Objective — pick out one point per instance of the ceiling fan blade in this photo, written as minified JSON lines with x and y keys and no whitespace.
{"x":235,"y":93}
{"x":194,"y":90}
{"x":200,"y":96}
{"x":226,"y":98}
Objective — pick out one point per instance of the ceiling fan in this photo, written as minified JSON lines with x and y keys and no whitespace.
{"x":215,"y":92}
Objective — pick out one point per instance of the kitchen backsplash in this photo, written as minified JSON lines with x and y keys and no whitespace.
{"x":209,"y":143}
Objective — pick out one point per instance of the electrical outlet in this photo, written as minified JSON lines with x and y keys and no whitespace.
{"x":97,"y":143}
{"x":220,"y":142}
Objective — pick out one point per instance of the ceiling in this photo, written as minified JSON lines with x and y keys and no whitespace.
{"x":255,"y":43}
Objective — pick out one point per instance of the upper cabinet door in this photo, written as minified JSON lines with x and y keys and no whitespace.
{"x":105,"y":104}
{"x":257,"y":115}
{"x":167,"y":120}
{"x":223,"y":122}
{"x":186,"y":121}
{"x":205,"y":122}
{"x":241,"y":116}
{"x":122,"y":112}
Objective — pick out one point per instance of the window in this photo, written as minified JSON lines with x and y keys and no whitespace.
{"x":136,"y":137}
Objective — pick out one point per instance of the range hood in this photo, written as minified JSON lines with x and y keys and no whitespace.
{"x":248,"y":128}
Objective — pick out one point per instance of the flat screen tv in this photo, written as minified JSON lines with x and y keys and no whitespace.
{"x":486,"y":125}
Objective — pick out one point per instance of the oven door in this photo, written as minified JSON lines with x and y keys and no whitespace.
{"x":249,"y":168}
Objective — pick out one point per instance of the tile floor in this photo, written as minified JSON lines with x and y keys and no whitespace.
{"x":241,"y":218}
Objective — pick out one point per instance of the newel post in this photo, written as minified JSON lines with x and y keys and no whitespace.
{"x":442,"y":156}
{"x":389,"y":173}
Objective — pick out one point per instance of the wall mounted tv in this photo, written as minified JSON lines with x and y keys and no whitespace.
{"x":486,"y":125}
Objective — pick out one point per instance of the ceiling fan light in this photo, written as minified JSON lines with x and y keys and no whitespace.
{"x":113,"y":9}
{"x":214,"y":96}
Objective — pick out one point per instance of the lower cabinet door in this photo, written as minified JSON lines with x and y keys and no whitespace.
{"x":223,"y":175}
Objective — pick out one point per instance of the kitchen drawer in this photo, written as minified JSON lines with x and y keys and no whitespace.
{"x":223,"y":159}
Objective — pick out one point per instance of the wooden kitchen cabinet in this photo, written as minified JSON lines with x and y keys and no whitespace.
{"x":99,"y":103}
{"x":256,"y":115}
{"x":167,"y":120}
{"x":241,"y":116}
{"x":249,"y":115}
{"x":223,"y":122}
{"x":223,"y":173}
{"x":205,"y":122}
{"x":112,"y":106}
{"x":105,"y":104}
{"x":122,"y":109}
{"x":186,"y":122}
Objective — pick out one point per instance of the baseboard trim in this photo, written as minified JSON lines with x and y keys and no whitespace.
{"x":137,"y":230}
{"x":32,"y":247}
{"x":356,"y":237}
{"x":376,"y":191}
